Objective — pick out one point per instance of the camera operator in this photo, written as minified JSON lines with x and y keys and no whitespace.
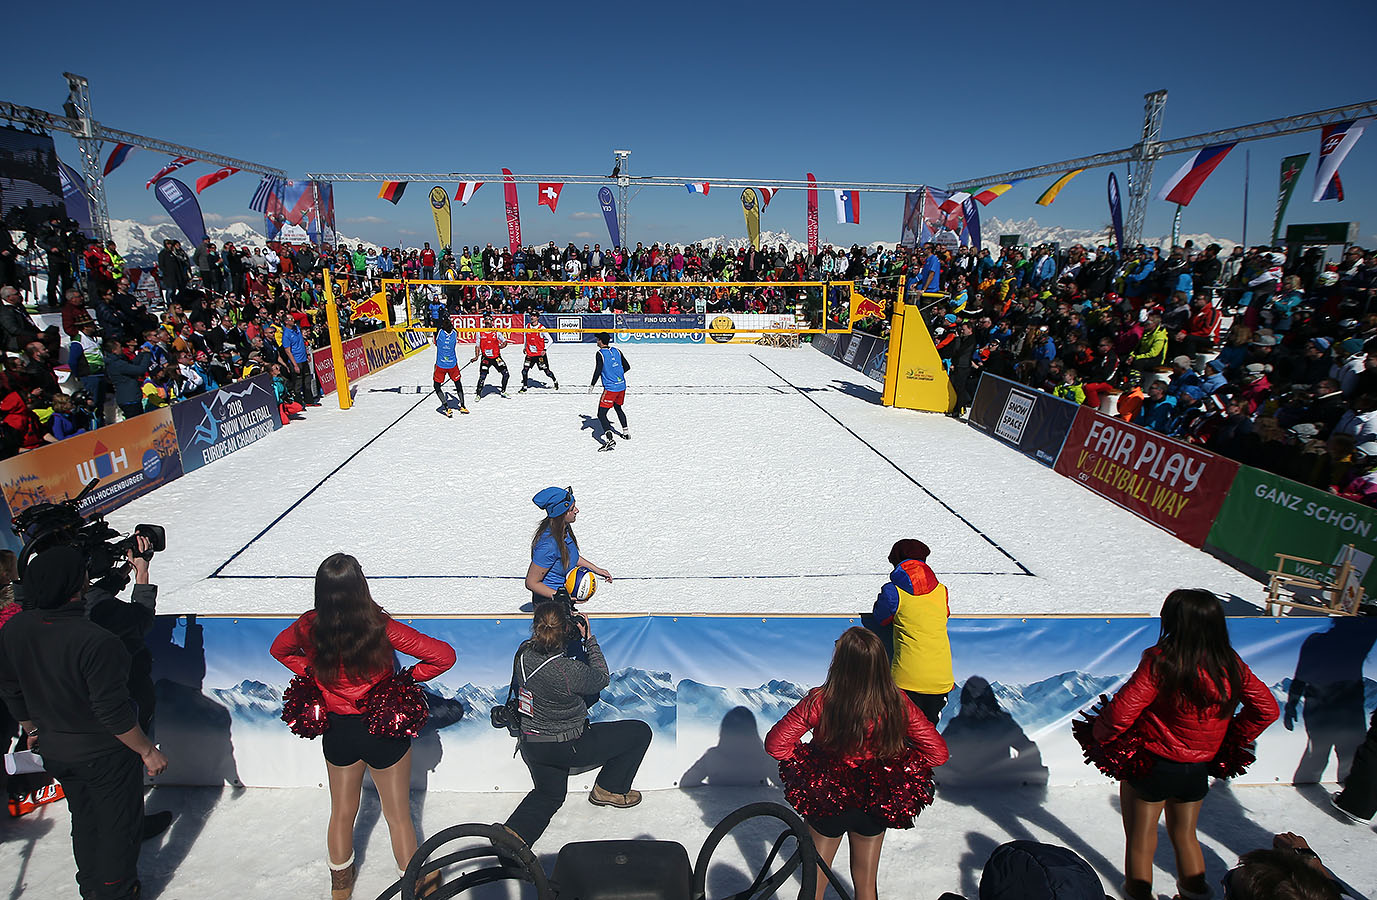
{"x":130,"y":622}
{"x":556,"y":735}
{"x":65,"y":679}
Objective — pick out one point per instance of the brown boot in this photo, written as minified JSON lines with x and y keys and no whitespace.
{"x":342,"y":879}
{"x":600,"y":797}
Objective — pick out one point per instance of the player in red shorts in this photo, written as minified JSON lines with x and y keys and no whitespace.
{"x":611,"y":367}
{"x":489,"y":349}
{"x":535,"y":353}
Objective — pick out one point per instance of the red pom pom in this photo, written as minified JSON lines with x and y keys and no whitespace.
{"x":819,"y":784}
{"x":1234,"y":756}
{"x":1121,"y":758}
{"x":395,"y":707}
{"x":303,"y":707}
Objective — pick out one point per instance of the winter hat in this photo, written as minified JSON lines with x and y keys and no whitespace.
{"x":555,"y":501}
{"x":1193,"y":393}
{"x":1254,"y":371}
{"x":1305,"y":431}
{"x":1265,"y":340}
{"x":1322,"y":343}
{"x":1028,"y":870}
{"x":908,"y":548}
{"x":1352,"y":345}
{"x":1217,"y":365}
{"x":54,"y":577}
{"x":1183,"y":361}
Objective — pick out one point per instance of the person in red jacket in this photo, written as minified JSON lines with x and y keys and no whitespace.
{"x":535,"y":353}
{"x":1188,"y":691}
{"x":347,"y":644}
{"x":862,"y":725}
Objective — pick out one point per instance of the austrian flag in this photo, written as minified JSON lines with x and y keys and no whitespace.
{"x":765,"y":196}
{"x":698,"y":187}
{"x":547,"y":194}
{"x":466,"y":191}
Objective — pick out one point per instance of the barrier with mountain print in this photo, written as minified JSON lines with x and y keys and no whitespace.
{"x":711,"y":687}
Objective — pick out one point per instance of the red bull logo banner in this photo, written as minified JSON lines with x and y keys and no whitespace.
{"x":370,"y":308}
{"x":863,"y":307}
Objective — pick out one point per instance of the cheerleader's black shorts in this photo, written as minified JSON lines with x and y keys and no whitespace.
{"x":348,"y":742}
{"x":1167,"y":780}
{"x":856,"y":821}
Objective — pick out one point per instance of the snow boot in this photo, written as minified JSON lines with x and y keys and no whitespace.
{"x":342,"y":878}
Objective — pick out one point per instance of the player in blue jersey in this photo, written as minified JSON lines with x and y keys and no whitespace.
{"x":611,"y":366}
{"x":554,"y":549}
{"x":447,"y":364}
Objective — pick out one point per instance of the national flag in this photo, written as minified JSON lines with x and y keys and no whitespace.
{"x":698,"y":187}
{"x":1335,"y":142}
{"x":765,"y":194}
{"x":1335,"y":191}
{"x":466,"y":191}
{"x":1051,"y":193}
{"x":392,"y":191}
{"x":117,"y":157}
{"x":266,"y":188}
{"x":1181,"y":187}
{"x":848,"y":207}
{"x":177,"y":163}
{"x":215,"y":177}
{"x":953,"y":203}
{"x":993,"y":191}
{"x":547,"y":194}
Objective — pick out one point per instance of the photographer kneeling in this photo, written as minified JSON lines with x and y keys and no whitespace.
{"x":556,"y":736}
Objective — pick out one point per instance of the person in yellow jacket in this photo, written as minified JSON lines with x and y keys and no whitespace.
{"x":915,"y":603}
{"x":1151,"y":352}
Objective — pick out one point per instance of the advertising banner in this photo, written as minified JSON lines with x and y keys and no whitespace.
{"x":609,"y":214}
{"x":724,"y":328}
{"x":1176,"y":487}
{"x":750,"y":208}
{"x":218,"y":423}
{"x":863,"y":352}
{"x":1266,"y":514}
{"x":129,"y":458}
{"x":1035,"y":422}
{"x":591,"y":322}
{"x":33,"y":187}
{"x":669,"y":328}
{"x":710,"y":696}
{"x":439,"y":205}
{"x":468,"y":325}
{"x":513,"y":212}
{"x":355,"y":364}
{"x":182,"y":206}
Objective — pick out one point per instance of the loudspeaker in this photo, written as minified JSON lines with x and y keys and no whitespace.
{"x":623,"y":870}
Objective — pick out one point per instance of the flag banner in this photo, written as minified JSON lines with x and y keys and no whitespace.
{"x":307,"y":205}
{"x":1116,"y":212}
{"x":177,"y":163}
{"x":439,"y":205}
{"x":466,"y":191}
{"x":117,"y":157}
{"x":266,"y":189}
{"x":1051,"y":193}
{"x":912,"y":224}
{"x":547,"y":194}
{"x":513,"y":211}
{"x":609,"y":214}
{"x":392,"y":191}
{"x":926,"y":221}
{"x":1335,"y":142}
{"x":181,"y":205}
{"x":848,"y":207}
{"x":953,"y":203}
{"x":215,"y":177}
{"x":995,"y":190}
{"x":970,"y":234}
{"x":75,"y":199}
{"x":1182,"y":185}
{"x":766,"y":195}
{"x":1335,"y":191}
{"x":32,"y":192}
{"x":812,"y":214}
{"x":1291,"y":168}
{"x":325,"y":206}
{"x":750,"y":208}
{"x":698,"y":187}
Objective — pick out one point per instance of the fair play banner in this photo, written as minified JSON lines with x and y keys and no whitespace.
{"x":1176,"y":487}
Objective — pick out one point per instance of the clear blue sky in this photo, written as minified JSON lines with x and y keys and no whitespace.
{"x":893,"y":92}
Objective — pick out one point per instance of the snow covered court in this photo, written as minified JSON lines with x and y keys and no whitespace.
{"x":758,"y":484}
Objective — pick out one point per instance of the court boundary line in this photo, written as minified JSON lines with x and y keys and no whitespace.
{"x":618,"y":578}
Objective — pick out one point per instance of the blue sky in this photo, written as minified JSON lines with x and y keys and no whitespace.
{"x":885,"y":92}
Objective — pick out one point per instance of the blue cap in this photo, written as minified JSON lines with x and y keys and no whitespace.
{"x":555,"y":501}
{"x":1193,"y":392}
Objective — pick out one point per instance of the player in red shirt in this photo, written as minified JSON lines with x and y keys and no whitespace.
{"x":489,"y":350}
{"x":535,"y":352}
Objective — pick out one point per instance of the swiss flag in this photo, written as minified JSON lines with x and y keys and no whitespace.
{"x":547,"y":194}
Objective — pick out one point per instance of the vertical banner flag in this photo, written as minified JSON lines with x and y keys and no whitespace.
{"x":1291,"y":167}
{"x":1185,"y":181}
{"x":177,"y":163}
{"x":812,"y":214}
{"x":1116,"y":212}
{"x":547,"y":194}
{"x":392,"y":191}
{"x":181,"y":205}
{"x":513,"y":211}
{"x":466,"y":191}
{"x":215,"y":177}
{"x":1051,"y":193}
{"x":439,"y":205}
{"x":609,"y":213}
{"x":970,"y":234}
{"x":117,"y":157}
{"x":848,"y":207}
{"x":74,"y":197}
{"x":750,"y":208}
{"x":1335,"y":142}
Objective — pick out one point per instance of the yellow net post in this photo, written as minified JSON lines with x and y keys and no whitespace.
{"x":336,"y":343}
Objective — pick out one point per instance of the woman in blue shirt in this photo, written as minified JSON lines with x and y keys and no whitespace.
{"x":554,"y":549}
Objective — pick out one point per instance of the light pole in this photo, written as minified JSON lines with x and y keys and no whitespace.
{"x":621,"y":169}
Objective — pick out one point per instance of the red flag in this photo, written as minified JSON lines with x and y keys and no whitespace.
{"x":466,"y":191}
{"x":812,"y":214}
{"x":547,"y":194}
{"x":177,"y":163}
{"x":766,"y":194}
{"x":513,"y":211}
{"x":206,"y":181}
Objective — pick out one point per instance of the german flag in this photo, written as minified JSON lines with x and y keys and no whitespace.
{"x":392,"y":191}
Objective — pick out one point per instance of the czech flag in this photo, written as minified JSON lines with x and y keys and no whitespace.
{"x":848,"y":207}
{"x":1181,"y":187}
{"x":117,"y":157}
{"x":953,"y":203}
{"x":1051,"y":193}
{"x":991,"y":192}
{"x":392,"y":191}
{"x":698,"y":187}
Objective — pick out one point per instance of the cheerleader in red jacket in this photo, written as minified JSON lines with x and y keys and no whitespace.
{"x":869,"y":765}
{"x":1190,"y":698}
{"x":348,"y":641}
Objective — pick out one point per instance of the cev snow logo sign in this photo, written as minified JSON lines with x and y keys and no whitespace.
{"x":105,"y":463}
{"x":1015,"y":417}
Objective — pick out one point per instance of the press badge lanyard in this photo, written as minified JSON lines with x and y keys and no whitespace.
{"x":525,"y":701}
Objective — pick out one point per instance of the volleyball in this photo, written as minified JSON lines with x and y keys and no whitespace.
{"x":581,"y":583}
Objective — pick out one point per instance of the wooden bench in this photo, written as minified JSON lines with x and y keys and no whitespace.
{"x":1341,"y":594}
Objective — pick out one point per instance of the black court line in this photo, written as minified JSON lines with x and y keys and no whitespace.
{"x":303,"y":497}
{"x":991,"y":541}
{"x":618,"y":578}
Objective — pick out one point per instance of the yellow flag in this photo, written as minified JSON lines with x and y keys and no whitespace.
{"x":439,"y":204}
{"x":750,"y":208}
{"x":1051,"y":193}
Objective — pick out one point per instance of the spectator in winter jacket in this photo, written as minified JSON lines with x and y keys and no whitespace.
{"x":126,"y":370}
{"x":15,"y":325}
{"x":915,"y":603}
{"x":1151,"y":351}
{"x":1158,"y":411}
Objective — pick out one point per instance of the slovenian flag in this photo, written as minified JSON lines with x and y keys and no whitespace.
{"x":848,"y":207}
{"x":993,"y":191}
{"x":1181,"y":187}
{"x":953,"y":203}
{"x":697,"y":187}
{"x":117,"y":157}
{"x":392,"y":191}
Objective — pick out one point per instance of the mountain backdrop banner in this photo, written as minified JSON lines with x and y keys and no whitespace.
{"x":711,"y":687}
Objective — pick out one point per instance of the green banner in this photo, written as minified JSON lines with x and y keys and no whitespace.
{"x":1265,"y":514}
{"x":1291,"y":168}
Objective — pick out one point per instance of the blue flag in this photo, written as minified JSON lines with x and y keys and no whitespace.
{"x":609,"y":212}
{"x":75,"y":199}
{"x":181,"y":205}
{"x":970,"y":234}
{"x":1116,"y":212}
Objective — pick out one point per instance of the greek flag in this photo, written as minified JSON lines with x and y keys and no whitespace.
{"x":266,"y":188}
